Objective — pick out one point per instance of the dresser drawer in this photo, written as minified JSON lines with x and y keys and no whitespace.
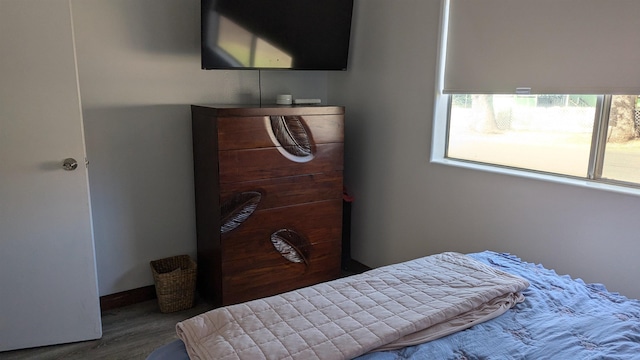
{"x":315,"y":223}
{"x":269,"y":274}
{"x":265,"y":163}
{"x":257,"y":132}
{"x":287,"y":191}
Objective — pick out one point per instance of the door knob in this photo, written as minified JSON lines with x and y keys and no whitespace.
{"x":69,"y":164}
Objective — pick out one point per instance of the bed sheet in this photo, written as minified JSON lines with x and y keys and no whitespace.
{"x":561,"y":318}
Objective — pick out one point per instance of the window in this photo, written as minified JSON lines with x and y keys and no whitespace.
{"x":588,"y":136}
{"x":539,"y":86}
{"x":622,"y":144}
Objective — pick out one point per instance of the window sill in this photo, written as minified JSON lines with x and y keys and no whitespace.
{"x":585,"y":183}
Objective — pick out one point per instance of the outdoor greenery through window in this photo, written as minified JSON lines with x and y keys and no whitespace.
{"x":586,"y":136}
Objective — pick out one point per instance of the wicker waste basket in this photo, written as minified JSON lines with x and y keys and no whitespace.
{"x":175,"y":280}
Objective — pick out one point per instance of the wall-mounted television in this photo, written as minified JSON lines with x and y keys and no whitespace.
{"x":276,"y":34}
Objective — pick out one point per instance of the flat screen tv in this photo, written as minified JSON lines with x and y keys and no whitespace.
{"x":276,"y":34}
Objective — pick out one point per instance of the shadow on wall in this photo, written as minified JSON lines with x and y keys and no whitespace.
{"x":168,"y":26}
{"x":141,"y":183}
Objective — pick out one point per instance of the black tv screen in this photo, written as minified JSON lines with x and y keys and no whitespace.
{"x":276,"y":34}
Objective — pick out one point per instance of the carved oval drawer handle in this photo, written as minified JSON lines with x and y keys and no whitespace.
{"x":292,"y":136}
{"x":291,"y":245}
{"x":237,"y":209}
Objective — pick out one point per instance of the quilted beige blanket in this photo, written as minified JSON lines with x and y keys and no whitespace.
{"x":392,"y":306}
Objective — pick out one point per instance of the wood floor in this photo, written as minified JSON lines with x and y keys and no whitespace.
{"x":130,"y":332}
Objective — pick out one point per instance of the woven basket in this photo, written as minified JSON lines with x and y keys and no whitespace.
{"x":175,"y":280}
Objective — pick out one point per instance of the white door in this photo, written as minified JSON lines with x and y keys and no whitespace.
{"x":48,"y":283}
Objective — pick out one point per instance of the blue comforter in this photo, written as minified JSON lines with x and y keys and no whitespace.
{"x":561,"y":318}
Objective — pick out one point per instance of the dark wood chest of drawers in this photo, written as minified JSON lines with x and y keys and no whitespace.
{"x":268,"y":186}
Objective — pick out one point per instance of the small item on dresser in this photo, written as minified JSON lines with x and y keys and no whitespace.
{"x":283,"y":99}
{"x":307,"y":101}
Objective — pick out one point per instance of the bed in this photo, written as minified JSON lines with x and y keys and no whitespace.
{"x":559,"y":317}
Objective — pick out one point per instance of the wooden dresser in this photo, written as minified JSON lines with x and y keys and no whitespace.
{"x":268,"y":186}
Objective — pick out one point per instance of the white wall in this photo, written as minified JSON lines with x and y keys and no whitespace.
{"x":407,"y":207}
{"x":139,"y":70}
